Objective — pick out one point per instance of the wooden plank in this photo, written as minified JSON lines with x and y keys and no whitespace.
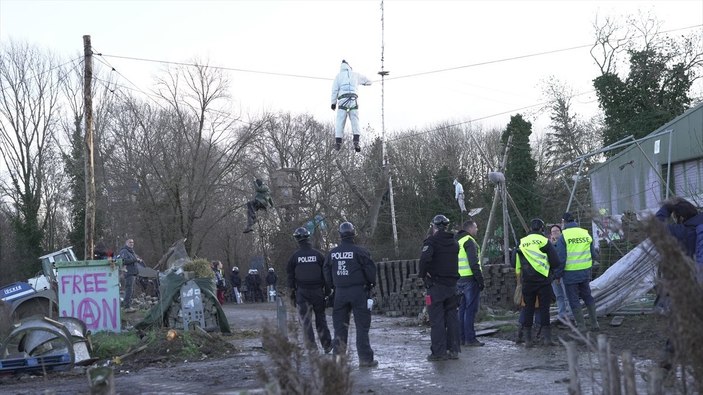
{"x":487,"y":332}
{"x":402,"y":266}
{"x":396,"y":277}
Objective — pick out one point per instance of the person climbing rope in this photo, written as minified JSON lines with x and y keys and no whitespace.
{"x":262,"y":201}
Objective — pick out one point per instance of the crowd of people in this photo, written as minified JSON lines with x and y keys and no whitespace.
{"x":553,"y":264}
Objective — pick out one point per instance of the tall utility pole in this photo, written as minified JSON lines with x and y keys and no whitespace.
{"x":88,"y":153}
{"x":383,"y":73}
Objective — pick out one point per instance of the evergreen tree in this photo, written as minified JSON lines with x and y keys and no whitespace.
{"x":443,"y":201}
{"x":520,"y":171}
{"x":652,"y":94}
{"x":75,"y":168}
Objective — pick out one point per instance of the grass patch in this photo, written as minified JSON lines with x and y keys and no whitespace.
{"x":245,"y":334}
{"x":191,"y":346}
{"x":507,"y":328}
{"x":108,"y":344}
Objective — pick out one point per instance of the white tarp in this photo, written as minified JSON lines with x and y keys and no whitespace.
{"x":626,"y":280}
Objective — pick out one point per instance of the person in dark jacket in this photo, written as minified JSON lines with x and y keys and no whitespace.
{"x":129,"y":262}
{"x":252,"y":282}
{"x":236,"y":282}
{"x":685,"y":220}
{"x":470,"y":282}
{"x":306,"y":282}
{"x":262,"y":201}
{"x":439,"y":270}
{"x":101,"y":252}
{"x":538,"y":263}
{"x":350,"y":270}
{"x":258,"y":291}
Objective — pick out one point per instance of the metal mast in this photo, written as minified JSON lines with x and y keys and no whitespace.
{"x":383,"y":73}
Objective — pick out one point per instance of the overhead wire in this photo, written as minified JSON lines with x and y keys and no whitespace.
{"x":415,"y":134}
{"x":442,"y":70}
{"x":153,"y":97}
{"x":79,"y":59}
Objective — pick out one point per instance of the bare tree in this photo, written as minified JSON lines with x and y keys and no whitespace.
{"x":186,"y":154}
{"x":568,"y":136}
{"x":29,"y":112}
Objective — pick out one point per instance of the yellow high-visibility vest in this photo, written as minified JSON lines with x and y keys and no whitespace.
{"x":530,"y":246}
{"x":464,"y":268}
{"x":578,"y":249}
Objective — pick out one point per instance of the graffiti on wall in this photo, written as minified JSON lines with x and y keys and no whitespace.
{"x":91,"y":294}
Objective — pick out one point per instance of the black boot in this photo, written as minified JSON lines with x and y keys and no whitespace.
{"x":528,"y":337}
{"x":357,"y":147}
{"x":520,"y":335}
{"x":337,"y":143}
{"x":547,"y":336}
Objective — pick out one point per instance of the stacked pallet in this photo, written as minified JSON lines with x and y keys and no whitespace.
{"x":500,"y":285}
{"x":400,"y":292}
{"x":410,"y":301}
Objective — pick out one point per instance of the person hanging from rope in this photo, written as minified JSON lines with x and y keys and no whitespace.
{"x":459,"y":195}
{"x":262,"y":201}
{"x":344,"y":100}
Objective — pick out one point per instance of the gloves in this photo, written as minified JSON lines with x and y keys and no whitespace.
{"x":292,"y":296}
{"x":481,"y":284}
{"x":428,"y":282}
{"x":333,"y":106}
{"x":329,"y":301}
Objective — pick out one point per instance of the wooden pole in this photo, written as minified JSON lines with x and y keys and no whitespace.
{"x":506,"y":237}
{"x":572,"y":358}
{"x":495,"y":201}
{"x":628,"y":372}
{"x":615,"y":388}
{"x":603,"y":361}
{"x":90,"y":193}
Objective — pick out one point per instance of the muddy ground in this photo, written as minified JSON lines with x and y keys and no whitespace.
{"x":228,"y":364}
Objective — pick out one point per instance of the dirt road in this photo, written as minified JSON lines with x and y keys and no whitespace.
{"x":500,"y":367}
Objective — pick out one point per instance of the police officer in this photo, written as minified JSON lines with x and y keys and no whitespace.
{"x":352,"y":272}
{"x":576,"y":250}
{"x":439,"y":270}
{"x":307,"y":288}
{"x":538,"y":263}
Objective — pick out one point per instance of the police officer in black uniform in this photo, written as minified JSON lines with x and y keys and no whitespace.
{"x":307,"y":288}
{"x":439,"y":270}
{"x":352,"y":272}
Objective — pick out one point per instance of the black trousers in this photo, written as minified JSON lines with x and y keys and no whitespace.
{"x":532,"y":292}
{"x":252,"y":207}
{"x":444,"y":319}
{"x":312,"y":301}
{"x":346,"y":301}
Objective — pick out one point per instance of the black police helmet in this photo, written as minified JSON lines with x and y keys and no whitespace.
{"x":537,"y":225}
{"x":440,"y":221}
{"x":301,"y":234}
{"x":346,"y":229}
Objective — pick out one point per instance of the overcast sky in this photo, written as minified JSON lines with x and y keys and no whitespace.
{"x":310,"y":38}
